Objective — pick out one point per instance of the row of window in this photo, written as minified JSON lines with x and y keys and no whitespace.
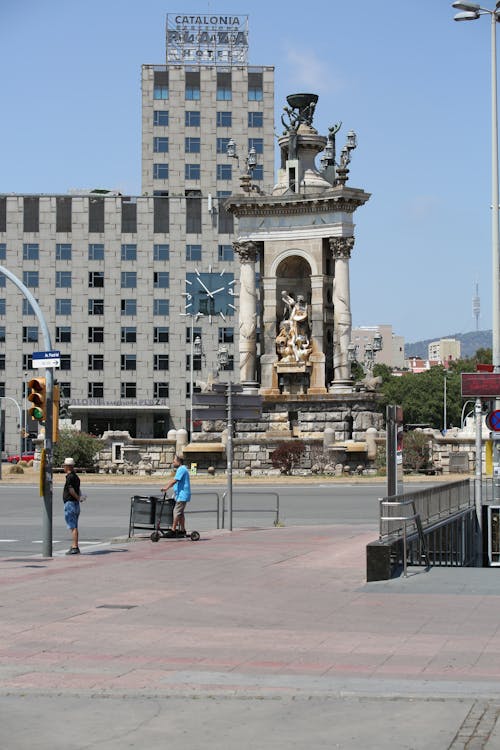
{"x":193,"y":172}
{"x":192,"y":88}
{"x":128,"y":362}
{"x":192,"y":145}
{"x":192,"y":119}
{"x":31,"y":251}
{"x":161,"y":279}
{"x":128,"y":334}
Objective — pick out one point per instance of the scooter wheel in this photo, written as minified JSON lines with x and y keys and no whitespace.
{"x":155,"y":536}
{"x":195,"y":536}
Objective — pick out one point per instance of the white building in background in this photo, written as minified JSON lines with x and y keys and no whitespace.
{"x":444,"y":350}
{"x":392,"y":353}
{"x":111,"y":272}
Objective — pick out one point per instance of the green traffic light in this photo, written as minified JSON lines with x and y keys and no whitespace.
{"x":37,"y":413}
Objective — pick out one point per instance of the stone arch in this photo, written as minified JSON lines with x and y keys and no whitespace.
{"x":294,"y":252}
{"x":293,"y":275}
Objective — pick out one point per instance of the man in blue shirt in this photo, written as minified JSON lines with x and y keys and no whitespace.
{"x":182,"y":493}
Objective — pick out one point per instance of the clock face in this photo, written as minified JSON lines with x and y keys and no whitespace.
{"x":210,"y":293}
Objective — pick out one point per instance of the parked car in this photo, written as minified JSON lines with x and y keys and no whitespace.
{"x":14,"y":458}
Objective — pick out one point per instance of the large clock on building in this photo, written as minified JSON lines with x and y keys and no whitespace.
{"x":210,"y":293}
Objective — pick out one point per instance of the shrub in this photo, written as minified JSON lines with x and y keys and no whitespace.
{"x":16,"y":469}
{"x":416,"y":450}
{"x":80,"y":446}
{"x":287,"y":455}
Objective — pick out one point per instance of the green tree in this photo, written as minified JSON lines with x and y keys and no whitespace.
{"x":80,"y":446}
{"x":416,"y":451}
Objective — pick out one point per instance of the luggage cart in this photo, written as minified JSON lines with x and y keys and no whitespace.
{"x":165,"y":514}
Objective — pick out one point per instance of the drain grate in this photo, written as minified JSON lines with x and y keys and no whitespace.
{"x":116,"y":606}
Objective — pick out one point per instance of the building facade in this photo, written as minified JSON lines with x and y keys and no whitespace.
{"x":444,"y":350}
{"x":392,"y":353}
{"x":126,"y":282}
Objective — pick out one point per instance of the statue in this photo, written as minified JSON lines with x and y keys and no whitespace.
{"x":292,"y":341}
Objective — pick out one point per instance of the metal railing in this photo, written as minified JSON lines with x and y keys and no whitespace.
{"x":275,"y":509}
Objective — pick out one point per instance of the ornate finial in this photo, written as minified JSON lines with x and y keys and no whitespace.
{"x":300,"y":111}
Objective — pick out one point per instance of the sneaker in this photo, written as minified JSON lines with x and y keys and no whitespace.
{"x":73,"y":551}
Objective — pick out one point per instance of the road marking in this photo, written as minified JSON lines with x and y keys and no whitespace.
{"x":9,"y":540}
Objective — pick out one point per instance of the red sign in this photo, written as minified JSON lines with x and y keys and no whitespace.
{"x":480,"y":384}
{"x":484,"y":368}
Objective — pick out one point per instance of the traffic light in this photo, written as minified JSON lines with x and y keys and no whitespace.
{"x":37,"y":397}
{"x":55,"y":413}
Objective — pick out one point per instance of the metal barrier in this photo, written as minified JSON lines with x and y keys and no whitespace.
{"x":210,"y":493}
{"x":275,"y":510}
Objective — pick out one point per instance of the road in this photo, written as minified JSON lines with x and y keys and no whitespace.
{"x":106,"y":513}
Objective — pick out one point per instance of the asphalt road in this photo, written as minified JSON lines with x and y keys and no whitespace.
{"x":106,"y":513}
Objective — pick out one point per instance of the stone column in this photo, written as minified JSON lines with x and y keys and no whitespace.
{"x":247,"y":253}
{"x":342,"y":321}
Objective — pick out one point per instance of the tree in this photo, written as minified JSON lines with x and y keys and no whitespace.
{"x":416,"y":451}
{"x":80,"y":446}
{"x":287,"y":455}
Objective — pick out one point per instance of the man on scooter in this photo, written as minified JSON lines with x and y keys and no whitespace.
{"x":182,"y":491}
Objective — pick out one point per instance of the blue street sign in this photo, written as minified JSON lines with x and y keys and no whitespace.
{"x":46,"y":359}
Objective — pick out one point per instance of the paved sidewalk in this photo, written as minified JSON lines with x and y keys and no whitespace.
{"x":276,"y":624}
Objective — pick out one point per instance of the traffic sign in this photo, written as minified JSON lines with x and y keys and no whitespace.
{"x":480,"y":384}
{"x":221,"y":413}
{"x":493,"y":420}
{"x":46,"y":359}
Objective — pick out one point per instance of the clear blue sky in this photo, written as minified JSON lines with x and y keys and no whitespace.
{"x":412,"y":83}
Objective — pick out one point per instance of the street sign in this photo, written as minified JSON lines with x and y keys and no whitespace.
{"x":209,"y":399}
{"x":493,"y":420}
{"x":46,"y":359}
{"x":221,"y":413}
{"x":480,"y":384}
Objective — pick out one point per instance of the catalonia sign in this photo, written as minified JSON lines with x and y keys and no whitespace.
{"x":207,"y":39}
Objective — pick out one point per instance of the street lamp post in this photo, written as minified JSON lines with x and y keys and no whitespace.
{"x":196,"y":348}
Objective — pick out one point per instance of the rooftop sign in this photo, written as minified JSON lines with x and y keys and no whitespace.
{"x":212,"y":39}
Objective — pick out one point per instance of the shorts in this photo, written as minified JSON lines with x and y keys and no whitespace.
{"x":71,"y":513}
{"x":179,"y":508}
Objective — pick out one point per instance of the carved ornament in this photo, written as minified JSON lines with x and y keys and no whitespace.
{"x":341,"y":247}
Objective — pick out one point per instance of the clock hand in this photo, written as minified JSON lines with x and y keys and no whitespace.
{"x":221,"y":289}
{"x":205,"y":288}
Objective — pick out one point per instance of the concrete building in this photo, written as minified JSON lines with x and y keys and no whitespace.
{"x":122,"y":280}
{"x":444,"y":350}
{"x":392,"y":353}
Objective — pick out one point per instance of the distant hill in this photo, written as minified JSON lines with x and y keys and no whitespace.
{"x":471,"y":342}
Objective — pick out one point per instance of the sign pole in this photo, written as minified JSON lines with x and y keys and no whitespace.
{"x":478,"y":482}
{"x":230,"y":453}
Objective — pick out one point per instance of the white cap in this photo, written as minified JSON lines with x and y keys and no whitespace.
{"x":69,"y":462}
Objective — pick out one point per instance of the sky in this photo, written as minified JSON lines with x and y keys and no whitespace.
{"x":414,"y":85}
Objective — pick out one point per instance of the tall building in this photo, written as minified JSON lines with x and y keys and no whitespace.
{"x":392,"y":353}
{"x":444,"y":350}
{"x":123,"y":280}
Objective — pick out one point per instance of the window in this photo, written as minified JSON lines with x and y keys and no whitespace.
{"x":27,"y":361}
{"x":192,"y":171}
{"x":257,"y":144}
{"x":255,"y":84}
{"x":129,"y":307}
{"x":96,"y":334}
{"x":196,"y":332}
{"x":193,"y":252}
{"x":96,"y":251}
{"x":96,"y":307}
{"x":192,"y":86}
{"x":128,"y":390}
{"x":160,"y":117}
{"x":63,"y":214}
{"x":160,"y":307}
{"x":226,"y":335}
{"x":63,"y":306}
{"x":192,"y":145}
{"x":255,"y":119}
{"x":96,"y":362}
{"x":160,"y":362}
{"x":160,"y":171}
{"x":161,"y":252}
{"x":30,"y":334}
{"x":160,"y":335}
{"x":196,"y":362}
{"x":226,"y":252}
{"x":96,"y":279}
{"x":160,"y":145}
{"x":2,"y":281}
{"x":222,"y":145}
{"x":129,"y":279}
{"x":192,"y":119}
{"x":161,"y":279}
{"x":31,"y":213}
{"x":31,"y":251}
{"x":27,"y":309}
{"x":2,"y":334}
{"x":96,"y":214}
{"x":224,"y":86}
{"x":160,"y":390}
{"x":65,"y":390}
{"x":96,"y":390}
{"x":225,"y":219}
{"x":230,"y":363}
{"x":224,"y":171}
{"x":128,"y":335}
{"x":30,"y":279}
{"x":3,"y":213}
{"x":3,"y":250}
{"x":160,"y":84}
{"x":193,"y":212}
{"x":128,"y":362}
{"x":63,"y":251}
{"x":63,"y":279}
{"x":129,"y":252}
{"x":63,"y":334}
{"x":161,"y":214}
{"x":224,"y":119}
{"x":258,"y":172}
{"x":129,"y":215}
{"x":65,"y":362}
